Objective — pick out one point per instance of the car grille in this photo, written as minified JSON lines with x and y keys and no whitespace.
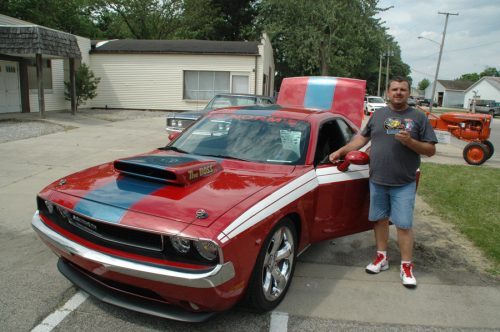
{"x":114,"y":236}
{"x":179,"y":123}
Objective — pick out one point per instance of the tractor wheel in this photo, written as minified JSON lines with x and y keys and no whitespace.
{"x":475,"y":153}
{"x":489,"y":148}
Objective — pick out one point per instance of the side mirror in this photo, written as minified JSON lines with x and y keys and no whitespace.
{"x":355,"y":158}
{"x":173,"y":136}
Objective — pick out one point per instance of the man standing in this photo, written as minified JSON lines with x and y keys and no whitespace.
{"x":399,"y":135}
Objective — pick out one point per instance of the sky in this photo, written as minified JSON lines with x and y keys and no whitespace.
{"x":472,"y":40}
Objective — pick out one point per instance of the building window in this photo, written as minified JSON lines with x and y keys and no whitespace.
{"x":240,"y":84}
{"x":47,"y":75}
{"x":203,"y":85}
{"x":10,"y":69}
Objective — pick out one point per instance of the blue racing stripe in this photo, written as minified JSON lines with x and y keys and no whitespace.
{"x":110,"y":202}
{"x":319,"y":93}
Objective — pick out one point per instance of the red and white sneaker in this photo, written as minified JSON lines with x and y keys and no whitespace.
{"x":407,"y":277}
{"x":379,"y":264}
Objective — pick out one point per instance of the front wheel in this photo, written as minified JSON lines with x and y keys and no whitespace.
{"x":274,"y":268}
{"x":489,"y":148}
{"x":475,"y":153}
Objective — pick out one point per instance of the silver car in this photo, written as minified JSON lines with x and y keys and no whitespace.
{"x":177,"y":122}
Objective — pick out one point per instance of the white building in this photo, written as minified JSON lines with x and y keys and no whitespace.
{"x":486,"y":88}
{"x":448,"y":93}
{"x":179,"y":74}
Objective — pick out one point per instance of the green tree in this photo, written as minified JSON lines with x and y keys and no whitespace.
{"x":473,"y":77}
{"x":139,"y":19}
{"x":86,"y":85}
{"x":490,"y":71}
{"x":71,"y":16}
{"x":337,"y":38}
{"x":423,"y":84}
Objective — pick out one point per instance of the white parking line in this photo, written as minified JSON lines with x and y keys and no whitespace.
{"x":279,"y":322}
{"x":57,"y":316}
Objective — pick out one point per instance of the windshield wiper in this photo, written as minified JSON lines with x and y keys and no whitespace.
{"x":172,"y":148}
{"x":224,"y":157}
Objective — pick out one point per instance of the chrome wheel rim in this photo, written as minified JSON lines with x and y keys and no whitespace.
{"x":278,"y":264}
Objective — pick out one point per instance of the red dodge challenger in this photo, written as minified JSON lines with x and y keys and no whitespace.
{"x":218,"y":215}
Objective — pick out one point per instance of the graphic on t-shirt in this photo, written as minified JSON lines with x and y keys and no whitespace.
{"x":409,"y":124}
{"x":394,"y":125}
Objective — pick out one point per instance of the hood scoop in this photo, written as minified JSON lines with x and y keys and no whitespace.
{"x":170,"y":169}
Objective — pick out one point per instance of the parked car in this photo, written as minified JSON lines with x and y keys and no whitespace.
{"x":219,"y":214}
{"x":486,"y":106}
{"x":177,"y":122}
{"x":412,"y":101}
{"x":372,"y":103}
{"x":427,"y":102}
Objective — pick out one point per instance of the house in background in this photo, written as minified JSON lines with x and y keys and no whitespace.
{"x":179,"y":74}
{"x":137,"y":74}
{"x":26,"y":48}
{"x":487,"y":87}
{"x":449,"y":93}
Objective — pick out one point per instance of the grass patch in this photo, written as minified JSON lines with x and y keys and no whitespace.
{"x":469,"y":198}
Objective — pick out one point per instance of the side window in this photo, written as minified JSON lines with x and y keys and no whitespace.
{"x":346,"y":130}
{"x":332,"y":136}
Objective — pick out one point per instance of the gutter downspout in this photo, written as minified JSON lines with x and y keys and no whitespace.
{"x":255,"y":71}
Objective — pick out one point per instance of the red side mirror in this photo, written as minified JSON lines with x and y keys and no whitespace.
{"x":173,"y":136}
{"x":353,"y":157}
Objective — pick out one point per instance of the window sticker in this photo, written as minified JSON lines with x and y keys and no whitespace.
{"x":290,"y":140}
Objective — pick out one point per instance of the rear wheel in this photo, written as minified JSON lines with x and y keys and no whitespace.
{"x":274,"y":267}
{"x":475,"y":153}
{"x":489,"y":148}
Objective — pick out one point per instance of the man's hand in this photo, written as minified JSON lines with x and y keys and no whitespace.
{"x":334,"y":156}
{"x":404,"y":137}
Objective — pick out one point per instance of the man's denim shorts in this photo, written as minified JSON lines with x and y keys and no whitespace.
{"x":394,"y":202}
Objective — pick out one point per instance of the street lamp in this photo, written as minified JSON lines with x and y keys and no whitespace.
{"x":431,"y":40}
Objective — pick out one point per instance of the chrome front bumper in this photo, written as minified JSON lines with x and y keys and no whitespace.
{"x":216,"y":276}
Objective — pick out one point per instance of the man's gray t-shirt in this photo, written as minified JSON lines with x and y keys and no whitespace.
{"x":392,"y":163}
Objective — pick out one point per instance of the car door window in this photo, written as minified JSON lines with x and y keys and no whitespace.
{"x":332,"y":136}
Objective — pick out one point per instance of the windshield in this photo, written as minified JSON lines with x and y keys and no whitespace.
{"x":376,"y":100}
{"x":247,"y":137}
{"x":228,"y":101}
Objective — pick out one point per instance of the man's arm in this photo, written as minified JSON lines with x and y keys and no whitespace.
{"x":424,"y":148}
{"x":355,"y":144}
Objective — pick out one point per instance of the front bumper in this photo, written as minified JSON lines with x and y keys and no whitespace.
{"x":204,"y":279}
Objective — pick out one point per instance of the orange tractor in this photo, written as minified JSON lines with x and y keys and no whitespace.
{"x":471,"y":127}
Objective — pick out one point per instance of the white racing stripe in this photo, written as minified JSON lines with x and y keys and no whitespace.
{"x":279,"y":322}
{"x":52,"y":320}
{"x":289,"y":193}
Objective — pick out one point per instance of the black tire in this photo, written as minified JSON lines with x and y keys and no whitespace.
{"x":475,"y":153}
{"x":489,"y":148}
{"x":273,"y":271}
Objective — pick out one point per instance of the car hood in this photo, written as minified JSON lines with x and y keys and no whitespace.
{"x":377,"y":104}
{"x":147,"y":190}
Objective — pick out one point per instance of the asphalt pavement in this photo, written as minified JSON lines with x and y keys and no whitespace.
{"x":330,"y":289}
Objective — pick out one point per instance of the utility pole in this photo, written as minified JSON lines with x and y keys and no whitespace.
{"x":379,"y":75}
{"x":387,"y":71}
{"x":439,"y":58}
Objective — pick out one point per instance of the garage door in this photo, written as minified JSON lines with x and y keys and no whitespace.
{"x":10,"y":96}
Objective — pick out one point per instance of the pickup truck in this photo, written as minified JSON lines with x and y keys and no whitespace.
{"x":487,"y":106}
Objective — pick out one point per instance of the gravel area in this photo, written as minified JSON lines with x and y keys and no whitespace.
{"x":21,"y":126}
{"x":11,"y":130}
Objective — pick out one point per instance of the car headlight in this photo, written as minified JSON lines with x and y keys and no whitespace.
{"x":180,"y":245}
{"x":179,"y":123}
{"x":50,"y":206}
{"x":206,"y":249}
{"x":173,"y":122}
